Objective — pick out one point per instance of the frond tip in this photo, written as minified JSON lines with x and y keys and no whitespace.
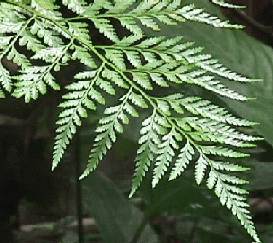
{"x":132,"y":68}
{"x":223,"y":3}
{"x":226,"y":189}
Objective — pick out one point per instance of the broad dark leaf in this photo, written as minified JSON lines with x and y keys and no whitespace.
{"x":117,"y":219}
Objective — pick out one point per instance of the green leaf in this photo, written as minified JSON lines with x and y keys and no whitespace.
{"x":261,"y":178}
{"x":111,"y":210}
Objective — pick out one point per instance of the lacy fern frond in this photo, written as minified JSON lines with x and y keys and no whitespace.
{"x":179,"y":130}
{"x":223,"y":3}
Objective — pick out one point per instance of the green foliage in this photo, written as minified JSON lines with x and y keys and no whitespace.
{"x":181,"y":127}
{"x":104,"y":200}
{"x":238,"y":46}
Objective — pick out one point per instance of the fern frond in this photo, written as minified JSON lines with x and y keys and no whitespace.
{"x":8,"y":49}
{"x":109,"y":126}
{"x":206,"y":109}
{"x":166,"y":153}
{"x":180,"y":130}
{"x":222,"y":151}
{"x":174,"y":71}
{"x":200,"y":169}
{"x":211,"y":131}
{"x":184,"y":158}
{"x":47,"y":8}
{"x":34,"y":80}
{"x":226,"y":189}
{"x":44,"y":30}
{"x":5,"y":79}
{"x":169,"y":49}
{"x":223,"y":3}
{"x":199,"y":15}
{"x":82,"y":95}
{"x":78,"y":6}
{"x":149,"y":142}
{"x":149,"y":13}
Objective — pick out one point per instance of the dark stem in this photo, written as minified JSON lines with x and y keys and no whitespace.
{"x":78,"y":188}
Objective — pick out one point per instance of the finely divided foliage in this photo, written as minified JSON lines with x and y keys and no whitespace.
{"x":179,"y":129}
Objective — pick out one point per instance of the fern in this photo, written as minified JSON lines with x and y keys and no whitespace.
{"x":180,"y":130}
{"x":183,"y":159}
{"x":222,"y":3}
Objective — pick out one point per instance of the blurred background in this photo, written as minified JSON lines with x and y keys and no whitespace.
{"x":39,"y":206}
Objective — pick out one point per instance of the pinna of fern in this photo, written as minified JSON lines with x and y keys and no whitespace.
{"x":179,"y":130}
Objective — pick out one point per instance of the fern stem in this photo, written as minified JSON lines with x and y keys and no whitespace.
{"x":123,"y":15}
{"x":136,"y":16}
